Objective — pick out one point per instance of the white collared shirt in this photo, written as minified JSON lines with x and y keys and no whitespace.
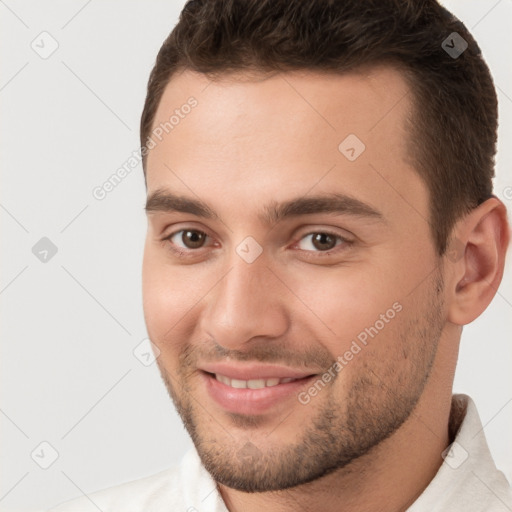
{"x":467,"y":480}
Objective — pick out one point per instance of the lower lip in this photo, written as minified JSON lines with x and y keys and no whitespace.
{"x":252,"y":401}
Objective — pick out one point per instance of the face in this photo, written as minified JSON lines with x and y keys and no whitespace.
{"x":290,"y":280}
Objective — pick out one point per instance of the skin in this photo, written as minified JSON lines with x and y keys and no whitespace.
{"x":384,"y":418}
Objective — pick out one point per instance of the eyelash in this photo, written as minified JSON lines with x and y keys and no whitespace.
{"x":186,"y":253}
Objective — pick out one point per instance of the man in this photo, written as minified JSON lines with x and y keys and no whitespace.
{"x":321,"y":225}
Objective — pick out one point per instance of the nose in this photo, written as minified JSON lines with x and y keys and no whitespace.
{"x":247,"y":303}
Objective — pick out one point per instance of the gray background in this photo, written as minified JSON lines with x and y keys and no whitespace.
{"x":69,"y":325}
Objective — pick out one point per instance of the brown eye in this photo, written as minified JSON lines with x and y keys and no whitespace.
{"x":323,"y":241}
{"x":187,"y":239}
{"x":319,"y":241}
{"x":193,"y":239}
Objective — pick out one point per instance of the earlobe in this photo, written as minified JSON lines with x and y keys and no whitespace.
{"x":481,"y":240}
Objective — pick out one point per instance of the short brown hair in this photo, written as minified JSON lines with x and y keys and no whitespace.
{"x":454,"y":126}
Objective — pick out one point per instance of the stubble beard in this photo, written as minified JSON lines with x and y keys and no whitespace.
{"x":379,"y":399}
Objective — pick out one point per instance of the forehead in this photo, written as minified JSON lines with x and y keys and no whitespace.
{"x":285,"y":133}
{"x":239,"y":102}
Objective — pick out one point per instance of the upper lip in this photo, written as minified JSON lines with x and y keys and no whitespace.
{"x":252,"y":371}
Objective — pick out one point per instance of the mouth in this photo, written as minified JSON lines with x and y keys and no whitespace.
{"x":253,"y":396}
{"x":253,"y":383}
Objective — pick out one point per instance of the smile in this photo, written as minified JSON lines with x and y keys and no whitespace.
{"x":253,"y":383}
{"x":253,"y":396}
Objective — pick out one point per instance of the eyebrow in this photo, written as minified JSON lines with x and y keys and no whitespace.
{"x":162,"y":200}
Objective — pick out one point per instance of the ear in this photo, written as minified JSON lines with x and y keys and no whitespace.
{"x":476,"y":255}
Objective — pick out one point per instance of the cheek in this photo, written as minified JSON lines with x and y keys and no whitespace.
{"x":172,"y":296}
{"x":163,"y":310}
{"x":163,"y":300}
{"x":344,"y":302}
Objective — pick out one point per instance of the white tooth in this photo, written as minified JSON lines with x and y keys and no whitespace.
{"x":252,"y":384}
{"x":256,"y":383}
{"x":223,"y":379}
{"x":239,"y":384}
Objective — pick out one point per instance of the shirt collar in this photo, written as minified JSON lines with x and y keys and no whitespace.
{"x":467,"y":480}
